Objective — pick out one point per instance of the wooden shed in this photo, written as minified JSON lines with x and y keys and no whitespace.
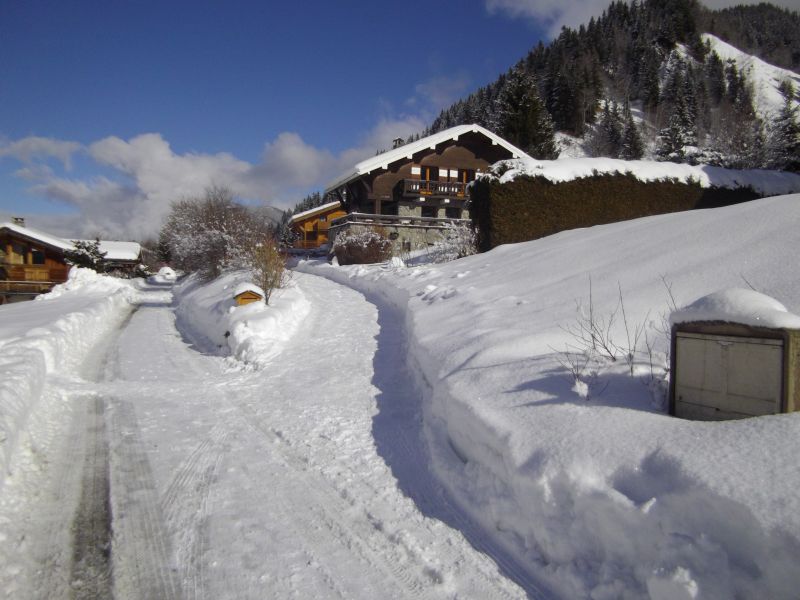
{"x":721,"y":369}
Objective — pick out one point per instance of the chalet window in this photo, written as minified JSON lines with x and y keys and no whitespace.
{"x":430,"y":211}
{"x":429,"y":173}
{"x":37,"y":257}
{"x":466,"y":175}
{"x":452,"y":212}
{"x":323,"y":219}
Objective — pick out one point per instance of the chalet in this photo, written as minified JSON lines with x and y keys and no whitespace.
{"x":413,"y":190}
{"x":311,"y":226}
{"x":32,"y":261}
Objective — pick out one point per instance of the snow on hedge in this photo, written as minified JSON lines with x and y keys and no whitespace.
{"x":764,"y":182}
{"x":51,"y":337}
{"x":605,"y":497}
{"x":252,"y":334}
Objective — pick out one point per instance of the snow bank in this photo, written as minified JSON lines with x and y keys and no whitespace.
{"x":605,"y":496}
{"x":254,"y":333}
{"x":164,"y":275}
{"x":51,"y":337}
{"x":766,"y":183}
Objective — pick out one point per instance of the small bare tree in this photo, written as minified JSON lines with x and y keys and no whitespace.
{"x":268,"y":266}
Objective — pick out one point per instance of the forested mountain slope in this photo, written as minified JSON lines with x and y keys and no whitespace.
{"x":643,"y":80}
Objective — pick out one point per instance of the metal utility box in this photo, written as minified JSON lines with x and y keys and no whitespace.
{"x":730,"y":371}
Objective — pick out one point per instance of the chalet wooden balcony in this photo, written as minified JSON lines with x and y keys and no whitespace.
{"x":395,"y":221}
{"x":437,"y":189}
{"x":35,"y":273}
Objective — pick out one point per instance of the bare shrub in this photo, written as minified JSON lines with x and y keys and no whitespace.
{"x":362,"y":247}
{"x":268,"y":266}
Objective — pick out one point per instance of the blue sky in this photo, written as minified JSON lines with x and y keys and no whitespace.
{"x":112,"y":109}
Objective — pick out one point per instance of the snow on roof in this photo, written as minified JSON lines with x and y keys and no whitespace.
{"x":120,"y":250}
{"x":307,"y":213}
{"x":738,"y":306}
{"x":39,"y":236}
{"x":768,"y":183}
{"x":113,"y":250}
{"x":246,"y":286}
{"x":382,"y":161}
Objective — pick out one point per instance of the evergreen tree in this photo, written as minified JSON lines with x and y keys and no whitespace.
{"x":86,"y":254}
{"x":523,"y":117}
{"x":784,"y":136}
{"x":678,"y":134}
{"x":632,"y":145}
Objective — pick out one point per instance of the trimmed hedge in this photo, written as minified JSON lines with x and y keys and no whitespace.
{"x":529,"y":208}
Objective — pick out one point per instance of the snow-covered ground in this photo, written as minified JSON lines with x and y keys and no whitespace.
{"x":164,"y":462}
{"x":419,"y":436}
{"x":605,"y":496}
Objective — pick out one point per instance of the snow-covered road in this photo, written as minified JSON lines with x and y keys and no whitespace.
{"x":305,"y":479}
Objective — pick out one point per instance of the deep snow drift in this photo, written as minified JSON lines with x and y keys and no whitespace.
{"x":594,"y":485}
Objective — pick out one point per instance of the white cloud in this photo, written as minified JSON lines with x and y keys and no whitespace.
{"x":146,"y":176}
{"x":33,"y":147}
{"x":554,"y":14}
{"x":439,"y":92}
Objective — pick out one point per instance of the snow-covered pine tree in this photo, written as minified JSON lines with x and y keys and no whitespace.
{"x":286,"y":235}
{"x":784,"y":133}
{"x":86,"y":254}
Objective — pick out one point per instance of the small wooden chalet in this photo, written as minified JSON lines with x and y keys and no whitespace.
{"x":311,"y":226}
{"x":416,"y":188}
{"x":32,"y":262}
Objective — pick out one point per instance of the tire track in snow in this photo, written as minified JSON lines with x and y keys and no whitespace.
{"x":140,"y":549}
{"x":185,"y":506}
{"x":91,"y":575}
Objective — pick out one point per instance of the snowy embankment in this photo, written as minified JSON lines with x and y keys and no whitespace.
{"x":51,"y":337}
{"x":593,"y":485}
{"x":252,"y":334}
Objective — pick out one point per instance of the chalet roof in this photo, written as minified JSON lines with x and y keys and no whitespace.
{"x":113,"y":250}
{"x":407,"y":151}
{"x":313,"y":211}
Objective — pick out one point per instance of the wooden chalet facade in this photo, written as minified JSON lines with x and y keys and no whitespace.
{"x":311,"y":226}
{"x":32,"y":262}
{"x":419,"y":186}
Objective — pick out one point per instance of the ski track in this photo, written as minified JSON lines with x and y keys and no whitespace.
{"x":308,"y":478}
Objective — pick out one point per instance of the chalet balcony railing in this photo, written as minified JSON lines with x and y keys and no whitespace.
{"x":394,"y":221}
{"x":441,"y":189}
{"x":35,"y":273}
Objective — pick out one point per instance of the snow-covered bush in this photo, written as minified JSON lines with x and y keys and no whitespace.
{"x":362,"y":247}
{"x":211,"y":234}
{"x":458,"y":240}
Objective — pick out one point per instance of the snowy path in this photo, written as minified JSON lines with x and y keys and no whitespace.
{"x":293,"y":481}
